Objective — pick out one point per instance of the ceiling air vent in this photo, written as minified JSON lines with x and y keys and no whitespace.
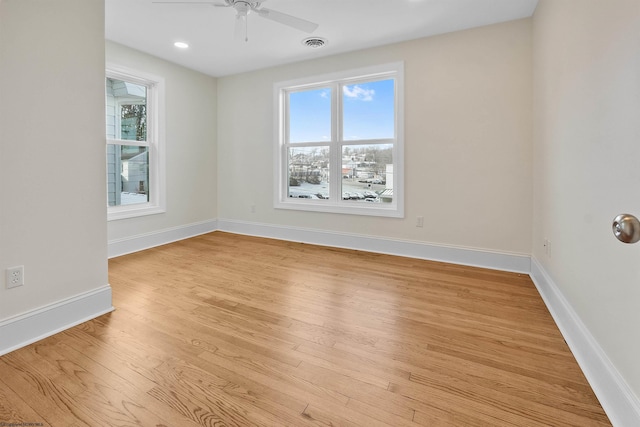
{"x":314,"y":42}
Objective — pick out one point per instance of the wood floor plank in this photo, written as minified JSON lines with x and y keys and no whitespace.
{"x":326,"y":414}
{"x":108,"y":397}
{"x":279,"y":379}
{"x":47,"y":398}
{"x":382,"y":413}
{"x":231,"y":330}
{"x":496,"y":407}
{"x":13,"y":408}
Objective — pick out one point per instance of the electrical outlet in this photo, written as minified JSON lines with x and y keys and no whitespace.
{"x":419,"y":221}
{"x":15,"y":276}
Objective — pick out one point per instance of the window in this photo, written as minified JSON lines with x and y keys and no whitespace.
{"x":135,"y":166}
{"x":339,"y":143}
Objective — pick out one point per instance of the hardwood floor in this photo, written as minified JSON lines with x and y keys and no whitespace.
{"x":228,"y":330}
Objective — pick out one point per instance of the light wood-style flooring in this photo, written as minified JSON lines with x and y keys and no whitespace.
{"x":229,"y":330}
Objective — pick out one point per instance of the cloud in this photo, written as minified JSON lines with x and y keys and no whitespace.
{"x":357,"y":92}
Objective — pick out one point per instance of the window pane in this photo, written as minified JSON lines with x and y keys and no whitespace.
{"x":126,"y":110}
{"x":310,"y":115}
{"x":133,"y":122}
{"x":368,"y":110}
{"x":127,"y":174}
{"x":308,"y":173}
{"x":367,"y":173}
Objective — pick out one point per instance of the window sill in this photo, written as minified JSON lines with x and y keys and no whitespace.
{"x":354,"y":208}
{"x":123,"y":212}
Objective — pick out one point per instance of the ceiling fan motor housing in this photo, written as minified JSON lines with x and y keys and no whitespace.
{"x":244,"y":7}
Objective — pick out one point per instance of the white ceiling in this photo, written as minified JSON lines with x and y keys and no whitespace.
{"x":347,"y":25}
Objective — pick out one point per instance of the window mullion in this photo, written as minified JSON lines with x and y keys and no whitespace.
{"x":336,"y":158}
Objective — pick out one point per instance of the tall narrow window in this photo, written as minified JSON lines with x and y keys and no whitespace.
{"x":339,"y":142}
{"x":135,"y":178}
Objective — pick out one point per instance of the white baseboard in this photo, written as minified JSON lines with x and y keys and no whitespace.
{"x":519,"y":263}
{"x":139,"y":242}
{"x":34,"y":325}
{"x":617,"y":399}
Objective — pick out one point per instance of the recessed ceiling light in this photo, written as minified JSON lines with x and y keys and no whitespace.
{"x":181,"y":45}
{"x":314,"y":42}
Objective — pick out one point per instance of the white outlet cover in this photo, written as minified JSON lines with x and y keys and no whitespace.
{"x":15,"y":276}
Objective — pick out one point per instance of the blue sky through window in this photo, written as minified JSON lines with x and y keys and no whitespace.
{"x":368,"y":112}
{"x":310,"y":115}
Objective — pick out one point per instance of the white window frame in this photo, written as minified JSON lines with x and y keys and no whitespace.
{"x":155,"y":143}
{"x":335,"y":204}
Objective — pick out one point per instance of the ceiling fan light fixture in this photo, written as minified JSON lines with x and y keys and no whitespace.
{"x":314,"y":42}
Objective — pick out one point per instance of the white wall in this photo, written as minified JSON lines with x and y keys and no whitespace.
{"x":468,"y":141}
{"x":52,"y":216}
{"x":586,"y":60}
{"x":190,"y":145}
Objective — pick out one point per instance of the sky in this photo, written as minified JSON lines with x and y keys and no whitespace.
{"x":368,"y":112}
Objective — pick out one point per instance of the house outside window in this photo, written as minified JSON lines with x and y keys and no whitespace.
{"x":134,"y":152}
{"x":339,"y":142}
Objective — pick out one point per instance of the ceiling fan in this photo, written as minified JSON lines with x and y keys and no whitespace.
{"x":244,"y":7}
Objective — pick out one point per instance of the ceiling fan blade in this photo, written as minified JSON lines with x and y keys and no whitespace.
{"x":283,"y":18}
{"x":241,"y":27}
